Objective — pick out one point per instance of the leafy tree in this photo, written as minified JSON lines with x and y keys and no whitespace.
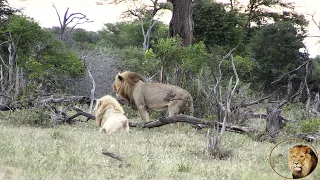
{"x":276,"y":48}
{"x":43,"y":58}
{"x":216,"y":26}
{"x":121,"y":34}
{"x":127,"y":34}
{"x":262,"y":12}
{"x":83,"y":36}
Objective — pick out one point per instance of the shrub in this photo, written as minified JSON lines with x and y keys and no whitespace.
{"x":292,"y":128}
{"x":32,"y":117}
{"x":310,"y":125}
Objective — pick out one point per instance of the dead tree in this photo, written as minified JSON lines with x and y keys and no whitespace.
{"x":274,"y":122}
{"x":78,"y":18}
{"x":223,"y":104}
{"x":9,"y":72}
{"x":92,"y":94}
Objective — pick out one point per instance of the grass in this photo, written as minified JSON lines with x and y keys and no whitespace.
{"x":170,"y":152}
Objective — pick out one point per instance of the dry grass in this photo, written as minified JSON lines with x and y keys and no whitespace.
{"x":171,"y":152}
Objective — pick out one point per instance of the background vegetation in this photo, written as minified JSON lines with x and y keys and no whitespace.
{"x":268,"y":52}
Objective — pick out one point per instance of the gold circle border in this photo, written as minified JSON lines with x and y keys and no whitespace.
{"x":306,"y":142}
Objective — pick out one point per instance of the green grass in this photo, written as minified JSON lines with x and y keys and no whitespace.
{"x":170,"y":152}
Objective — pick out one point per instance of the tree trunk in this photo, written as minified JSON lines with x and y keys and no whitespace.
{"x":181,"y":22}
{"x":273,"y":122}
{"x":12,"y":58}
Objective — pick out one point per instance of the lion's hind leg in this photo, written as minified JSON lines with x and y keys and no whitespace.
{"x":176,"y":107}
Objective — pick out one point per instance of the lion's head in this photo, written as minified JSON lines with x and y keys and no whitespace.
{"x":124,"y":83}
{"x":104,"y":103}
{"x":302,"y":161}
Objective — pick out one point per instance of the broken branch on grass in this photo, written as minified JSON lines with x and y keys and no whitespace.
{"x":112,"y":155}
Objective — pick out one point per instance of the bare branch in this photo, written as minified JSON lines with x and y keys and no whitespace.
{"x":69,"y":19}
{"x":4,"y":62}
{"x":288,"y":73}
{"x":58,"y":15}
{"x":92,"y":90}
{"x":314,"y":21}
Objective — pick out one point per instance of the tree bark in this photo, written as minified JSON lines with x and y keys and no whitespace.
{"x":193,"y":121}
{"x":181,"y":23}
{"x":12,"y":58}
{"x":274,"y":124}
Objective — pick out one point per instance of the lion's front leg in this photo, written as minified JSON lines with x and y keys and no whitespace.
{"x":143,"y":113}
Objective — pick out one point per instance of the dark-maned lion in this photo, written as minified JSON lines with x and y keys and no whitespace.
{"x":157,"y":96}
{"x":302,"y":161}
{"x":110,"y":115}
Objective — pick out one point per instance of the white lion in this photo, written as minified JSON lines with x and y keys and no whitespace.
{"x":110,"y":115}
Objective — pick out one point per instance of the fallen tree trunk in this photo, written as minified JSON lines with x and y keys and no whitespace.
{"x":193,"y":121}
{"x":310,"y":136}
{"x":196,"y":122}
{"x":4,"y":107}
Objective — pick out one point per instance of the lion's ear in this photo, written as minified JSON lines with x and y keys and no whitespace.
{"x":308,"y":150}
{"x":120,"y":77}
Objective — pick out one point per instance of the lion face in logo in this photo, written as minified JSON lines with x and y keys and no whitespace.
{"x":302,"y":161}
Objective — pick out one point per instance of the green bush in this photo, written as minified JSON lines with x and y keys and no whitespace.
{"x":32,"y":117}
{"x":310,"y":125}
{"x":292,"y":128}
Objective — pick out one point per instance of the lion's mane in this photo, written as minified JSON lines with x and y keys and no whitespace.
{"x":124,"y":84}
{"x":104,"y":103}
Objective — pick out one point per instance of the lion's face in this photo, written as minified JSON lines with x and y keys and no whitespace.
{"x":297,"y":158}
{"x":299,"y":161}
{"x":117,"y":84}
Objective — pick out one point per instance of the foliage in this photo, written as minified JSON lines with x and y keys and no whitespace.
{"x":214,"y":25}
{"x":40,"y":54}
{"x":127,"y":34}
{"x":276,"y":48}
{"x":262,"y":12}
{"x":82,"y":36}
{"x":310,"y":125}
{"x":315,"y":70}
{"x":29,"y":117}
{"x":133,"y":59}
{"x":170,"y":53}
{"x":295,"y":111}
{"x":292,"y":128}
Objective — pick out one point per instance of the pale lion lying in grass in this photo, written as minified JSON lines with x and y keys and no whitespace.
{"x":110,"y":115}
